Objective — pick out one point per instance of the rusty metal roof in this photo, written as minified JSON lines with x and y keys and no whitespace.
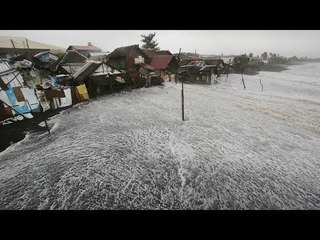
{"x":123,"y":51}
{"x":151,"y":52}
{"x":161,"y":61}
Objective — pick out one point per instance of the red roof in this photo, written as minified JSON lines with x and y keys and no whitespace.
{"x":85,"y":48}
{"x":161,"y":61}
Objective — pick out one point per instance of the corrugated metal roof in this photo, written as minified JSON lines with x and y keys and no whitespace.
{"x":72,"y":67}
{"x":84,"y":48}
{"x":151,"y":52}
{"x":161,"y":61}
{"x":98,"y":56}
{"x":123,"y":51}
{"x":71,"y":56}
{"x":21,"y":43}
{"x":43,"y":56}
{"x":87,"y":69}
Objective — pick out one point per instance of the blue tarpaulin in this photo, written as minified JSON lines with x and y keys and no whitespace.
{"x":21,"y":107}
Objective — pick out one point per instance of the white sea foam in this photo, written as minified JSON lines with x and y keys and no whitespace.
{"x":238,"y":149}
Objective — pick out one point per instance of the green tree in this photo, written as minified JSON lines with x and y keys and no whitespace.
{"x":250,"y":55}
{"x":149,"y":42}
{"x":264,"y":55}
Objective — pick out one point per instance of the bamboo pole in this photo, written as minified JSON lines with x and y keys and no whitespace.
{"x":14,"y":47}
{"x":29,"y":50}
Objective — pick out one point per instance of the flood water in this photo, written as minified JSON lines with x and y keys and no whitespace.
{"x":237,"y":149}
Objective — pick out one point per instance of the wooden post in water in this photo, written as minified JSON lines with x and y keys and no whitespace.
{"x":261,"y":85}
{"x":244,"y":86}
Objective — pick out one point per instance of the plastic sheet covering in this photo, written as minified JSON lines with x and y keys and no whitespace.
{"x":83,"y":91}
{"x":54,"y":81}
{"x":67,"y":100}
{"x":14,"y":78}
{"x":21,"y":107}
{"x":4,"y":98}
{"x":31,"y":97}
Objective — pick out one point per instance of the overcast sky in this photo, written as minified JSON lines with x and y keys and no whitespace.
{"x":284,"y":42}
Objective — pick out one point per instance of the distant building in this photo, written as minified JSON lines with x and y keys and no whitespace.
{"x":130,"y":59}
{"x":86,"y":51}
{"x":126,"y":58}
{"x":18,"y":46}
